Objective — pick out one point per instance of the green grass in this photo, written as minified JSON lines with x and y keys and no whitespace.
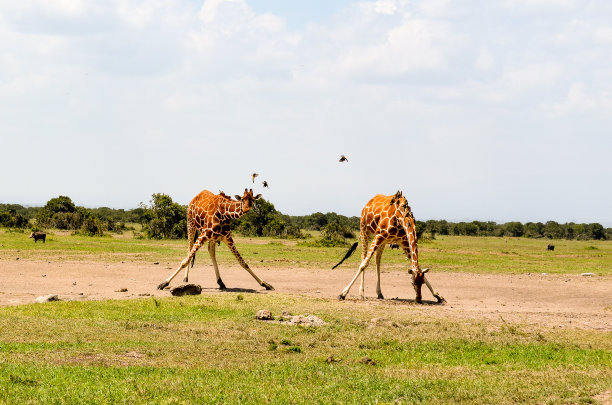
{"x":446,"y":253}
{"x":212,"y":349}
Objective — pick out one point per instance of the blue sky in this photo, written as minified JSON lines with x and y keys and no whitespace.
{"x":498,"y":111}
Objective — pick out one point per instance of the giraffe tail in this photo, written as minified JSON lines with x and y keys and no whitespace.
{"x":347,"y":255}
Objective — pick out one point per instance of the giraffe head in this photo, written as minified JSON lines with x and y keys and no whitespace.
{"x":418,"y":278}
{"x":247,"y":199}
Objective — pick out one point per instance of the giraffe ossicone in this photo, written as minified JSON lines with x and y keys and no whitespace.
{"x":390,"y":220}
{"x":208,"y":216}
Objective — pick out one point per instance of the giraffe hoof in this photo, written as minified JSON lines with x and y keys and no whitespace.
{"x":380,"y":297}
{"x":185,"y":280}
{"x":341,"y":297}
{"x":221,"y":285}
{"x":441,"y":300}
{"x":267,"y":286}
{"x":163,"y":285}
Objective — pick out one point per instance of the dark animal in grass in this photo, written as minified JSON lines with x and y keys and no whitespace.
{"x":253,"y":177}
{"x":265,"y":184}
{"x":38,"y":235}
{"x":550,"y":247}
{"x":343,"y":158}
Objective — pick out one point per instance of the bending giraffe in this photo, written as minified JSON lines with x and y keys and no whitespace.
{"x":390,"y":220}
{"x":210,"y":215}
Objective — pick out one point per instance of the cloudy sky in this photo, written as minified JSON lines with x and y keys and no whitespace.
{"x":497,"y":110}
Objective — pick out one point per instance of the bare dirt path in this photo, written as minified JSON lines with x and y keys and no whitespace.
{"x":559,"y":301}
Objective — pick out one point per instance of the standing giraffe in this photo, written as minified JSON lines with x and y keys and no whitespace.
{"x":390,"y":219}
{"x":210,"y":215}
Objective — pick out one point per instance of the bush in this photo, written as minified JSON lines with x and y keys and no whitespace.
{"x":164,"y":219}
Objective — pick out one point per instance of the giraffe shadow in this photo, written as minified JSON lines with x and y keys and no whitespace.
{"x":412,"y":301}
{"x":232,"y":290}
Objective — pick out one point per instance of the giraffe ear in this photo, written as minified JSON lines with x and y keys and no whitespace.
{"x":237,"y":197}
{"x":410,"y":271}
{"x":425,"y":270}
{"x":258,"y":196}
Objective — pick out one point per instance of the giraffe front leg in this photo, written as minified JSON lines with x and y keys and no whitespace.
{"x":230,"y":243}
{"x":375,"y":243}
{"x":435,"y":294}
{"x":201,"y":239}
{"x":211,"y":251}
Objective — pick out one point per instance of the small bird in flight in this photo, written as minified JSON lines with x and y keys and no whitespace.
{"x":265,"y":184}
{"x":253,"y":176}
{"x":343,"y":158}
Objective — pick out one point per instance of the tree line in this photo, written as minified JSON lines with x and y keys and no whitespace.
{"x":162,"y":218}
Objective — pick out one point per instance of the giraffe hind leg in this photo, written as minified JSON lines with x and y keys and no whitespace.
{"x":379,"y":253}
{"x":373,"y":246}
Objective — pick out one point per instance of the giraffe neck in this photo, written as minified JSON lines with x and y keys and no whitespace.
{"x":410,"y":229}
{"x":233,"y":209}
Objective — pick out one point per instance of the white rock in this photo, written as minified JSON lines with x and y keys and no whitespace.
{"x":46,"y":298}
{"x":587,"y":274}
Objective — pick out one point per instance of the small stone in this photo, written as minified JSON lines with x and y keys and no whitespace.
{"x":332,"y":359}
{"x":368,"y":361}
{"x":144,"y":295}
{"x":74,"y":283}
{"x":44,"y":275}
{"x":155,"y":262}
{"x":186,"y":289}
{"x":544,"y":274}
{"x":587,"y":274}
{"x":46,"y":298}
{"x":121,"y":290}
{"x":263,"y":315}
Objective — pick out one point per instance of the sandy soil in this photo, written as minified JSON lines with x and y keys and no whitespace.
{"x":555,"y":301}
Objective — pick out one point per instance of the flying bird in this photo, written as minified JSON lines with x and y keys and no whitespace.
{"x":253,"y":176}
{"x":265,"y":184}
{"x":343,"y":158}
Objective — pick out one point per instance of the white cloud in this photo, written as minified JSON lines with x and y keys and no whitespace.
{"x":580,"y":99}
{"x":485,"y":61}
{"x":388,"y":7}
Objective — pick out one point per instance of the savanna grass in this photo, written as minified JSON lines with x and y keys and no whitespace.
{"x":446,"y":253}
{"x":212,"y":349}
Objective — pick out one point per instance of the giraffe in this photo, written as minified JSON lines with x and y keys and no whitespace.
{"x":390,"y":220}
{"x":210,"y":215}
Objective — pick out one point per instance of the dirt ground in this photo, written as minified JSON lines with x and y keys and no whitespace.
{"x":555,"y":301}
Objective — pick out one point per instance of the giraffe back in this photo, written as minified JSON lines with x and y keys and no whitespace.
{"x":381,"y":217}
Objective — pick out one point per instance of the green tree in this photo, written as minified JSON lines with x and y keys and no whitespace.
{"x":164,"y":219}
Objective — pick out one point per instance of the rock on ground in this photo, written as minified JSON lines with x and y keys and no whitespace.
{"x":46,"y":298}
{"x":305,"y":320}
{"x":264,"y":315}
{"x":186,"y":289}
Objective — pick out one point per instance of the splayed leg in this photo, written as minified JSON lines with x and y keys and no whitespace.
{"x":230,"y":243}
{"x":373,"y":246}
{"x":435,"y":294}
{"x":185,"y":262}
